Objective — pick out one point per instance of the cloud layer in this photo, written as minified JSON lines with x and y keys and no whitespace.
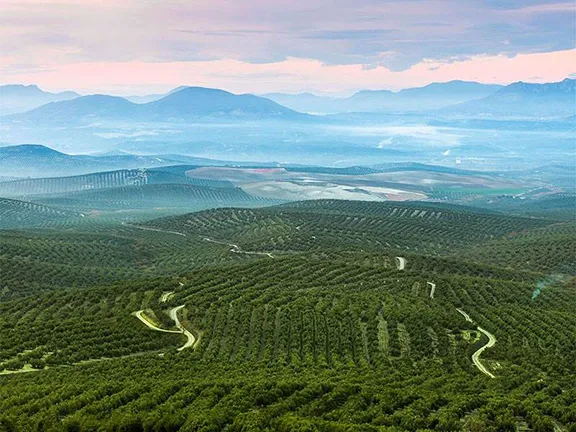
{"x":287,"y":43}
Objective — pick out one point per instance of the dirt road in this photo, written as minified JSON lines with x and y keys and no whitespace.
{"x":190,"y":339}
{"x":166,"y":296}
{"x":154,"y":229}
{"x":140,"y":315}
{"x":476,"y":355}
{"x":432,"y":286}
{"x":237,"y":249}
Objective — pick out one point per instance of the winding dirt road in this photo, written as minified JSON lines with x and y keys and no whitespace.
{"x":191,"y":340}
{"x":400,"y":263}
{"x":238,"y":249}
{"x":154,"y":229}
{"x":140,"y":315}
{"x":476,"y":355}
{"x":432,"y":286}
{"x":166,"y":296}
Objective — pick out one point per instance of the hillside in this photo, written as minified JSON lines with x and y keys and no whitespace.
{"x":184,"y":197}
{"x":20,"y":98}
{"x":32,"y":160}
{"x":39,"y":161}
{"x":185,"y":104}
{"x":431,"y":96}
{"x":21,"y":214}
{"x":325,"y":315}
{"x":556,"y":100}
{"x":97,"y":180}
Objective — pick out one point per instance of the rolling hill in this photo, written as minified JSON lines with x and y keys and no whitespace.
{"x":432,"y":96}
{"x":181,"y":197}
{"x":188,"y":103}
{"x":303,"y":316}
{"x":33,"y":160}
{"x":22,"y":214}
{"x":20,"y":98}
{"x":556,"y":100}
{"x":99,"y":180}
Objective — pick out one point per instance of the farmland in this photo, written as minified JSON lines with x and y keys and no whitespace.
{"x":325,"y":315}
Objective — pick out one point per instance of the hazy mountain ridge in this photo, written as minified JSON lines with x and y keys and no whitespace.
{"x":199,"y":103}
{"x":189,"y":103}
{"x":31,"y":160}
{"x":524,"y":100}
{"x":34,"y":160}
{"x":16,"y":98}
{"x":431,"y":96}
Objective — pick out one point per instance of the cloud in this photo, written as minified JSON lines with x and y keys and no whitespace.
{"x":293,"y":74}
{"x":331,"y":31}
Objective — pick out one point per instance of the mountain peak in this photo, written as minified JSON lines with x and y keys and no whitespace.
{"x":28,"y":149}
{"x":18,"y":98}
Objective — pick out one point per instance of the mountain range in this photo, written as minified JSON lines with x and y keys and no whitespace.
{"x":21,"y":98}
{"x":197,"y":104}
{"x":432,"y":96}
{"x":187,"y":104}
{"x":523,"y":100}
{"x":32,"y":160}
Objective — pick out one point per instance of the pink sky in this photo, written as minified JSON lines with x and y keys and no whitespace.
{"x":294,"y":74}
{"x":144,"y":46}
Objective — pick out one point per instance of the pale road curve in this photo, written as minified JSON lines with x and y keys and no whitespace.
{"x":432,"y":286}
{"x":140,"y":315}
{"x":191,"y":339}
{"x":400,"y":263}
{"x":476,"y":355}
{"x":154,"y":229}
{"x":238,"y":249}
{"x":166,"y":296}
{"x":174,"y":316}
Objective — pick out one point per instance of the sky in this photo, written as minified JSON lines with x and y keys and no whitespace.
{"x":151,"y":46}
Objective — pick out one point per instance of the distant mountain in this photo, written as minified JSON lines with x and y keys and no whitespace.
{"x":92,"y":181}
{"x":305,"y":102}
{"x":189,"y":103}
{"x":20,"y":98}
{"x":87,"y":108}
{"x":152,"y":97}
{"x":521,"y":99}
{"x":30,"y":160}
{"x":432,"y":96}
{"x":40,"y":161}
{"x":213,"y":103}
{"x":442,"y":94}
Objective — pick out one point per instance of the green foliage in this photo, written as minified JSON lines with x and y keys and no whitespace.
{"x":324,"y":334}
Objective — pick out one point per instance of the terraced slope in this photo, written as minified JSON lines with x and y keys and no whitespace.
{"x":20,"y":214}
{"x":36,"y":261}
{"x":187,"y":196}
{"x":551,"y":249}
{"x":328,"y":335}
{"x":103,"y":180}
{"x":321,"y":225}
